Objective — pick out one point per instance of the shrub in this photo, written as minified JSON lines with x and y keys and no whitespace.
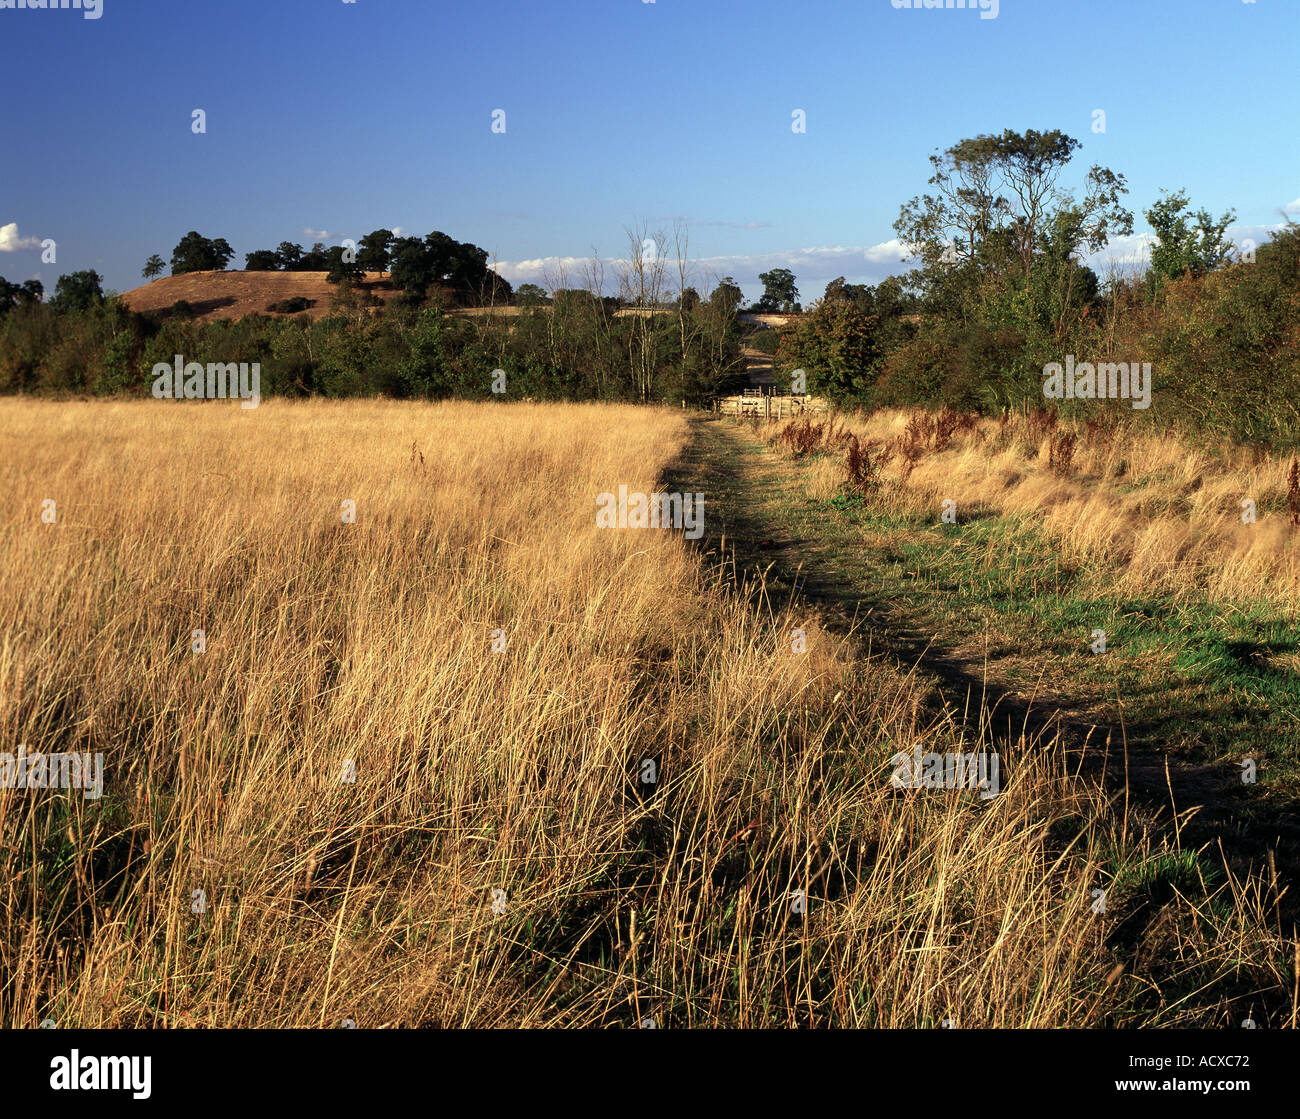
{"x":289,"y":306}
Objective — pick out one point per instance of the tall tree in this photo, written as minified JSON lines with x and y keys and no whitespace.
{"x":290,"y":255}
{"x":996,"y":196}
{"x":411,"y":268}
{"x":340,"y":270}
{"x":1182,"y":246}
{"x":727,"y":296}
{"x":196,"y":253}
{"x":153,"y":267}
{"x":77,"y":291}
{"x":316,"y":260}
{"x":530,"y":295}
{"x":643,"y":282}
{"x":262,"y":260}
{"x":461,"y":267}
{"x":373,"y":250}
{"x":779,"y":291}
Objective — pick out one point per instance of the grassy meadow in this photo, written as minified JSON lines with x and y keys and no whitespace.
{"x":404,"y":780}
{"x":1061,"y":530}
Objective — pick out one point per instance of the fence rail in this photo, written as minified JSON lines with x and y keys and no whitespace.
{"x":769,"y":406}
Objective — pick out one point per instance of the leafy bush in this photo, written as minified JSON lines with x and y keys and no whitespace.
{"x":289,"y":306}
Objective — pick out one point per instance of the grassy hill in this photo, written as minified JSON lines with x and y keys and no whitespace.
{"x":232,"y":295}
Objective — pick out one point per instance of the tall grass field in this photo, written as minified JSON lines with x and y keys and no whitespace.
{"x":393,"y":733}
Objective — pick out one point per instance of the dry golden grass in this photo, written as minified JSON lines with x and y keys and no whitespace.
{"x":515,"y":771}
{"x":1165,"y":516}
{"x":216,"y":295}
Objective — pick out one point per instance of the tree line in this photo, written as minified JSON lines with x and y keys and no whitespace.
{"x":999,"y":290}
{"x":413,"y":264}
{"x":577,"y":343}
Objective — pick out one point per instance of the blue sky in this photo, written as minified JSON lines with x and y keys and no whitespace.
{"x":338,"y":118}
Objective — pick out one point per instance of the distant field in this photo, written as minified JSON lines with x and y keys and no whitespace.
{"x":232,"y":295}
{"x":472,"y":760}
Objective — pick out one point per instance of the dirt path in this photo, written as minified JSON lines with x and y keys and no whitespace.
{"x":759,"y":519}
{"x":757,"y":363}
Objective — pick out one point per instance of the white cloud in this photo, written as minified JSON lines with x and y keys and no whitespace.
{"x":888,"y":252}
{"x":10,"y":242}
{"x":546,"y":267}
{"x":316,"y":234}
{"x":1292,"y":207}
{"x":1256,"y":233}
{"x":814,"y":267}
{"x":1135,"y":249}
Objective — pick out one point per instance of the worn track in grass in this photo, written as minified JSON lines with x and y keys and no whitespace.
{"x":759,"y":521}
